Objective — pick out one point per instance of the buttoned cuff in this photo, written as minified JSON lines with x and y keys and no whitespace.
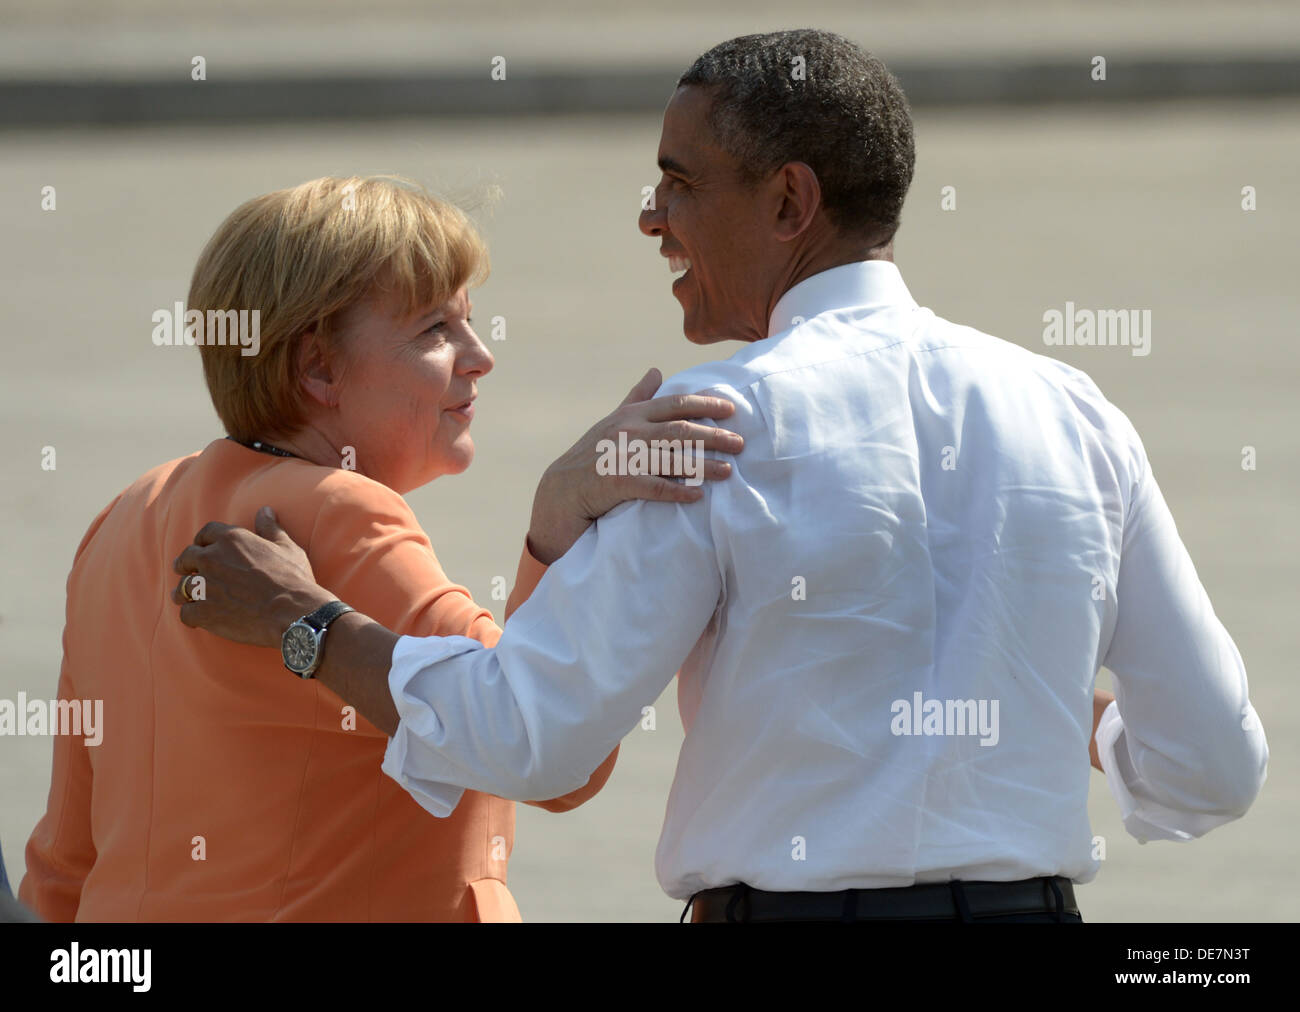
{"x":411,"y":758}
{"x":1144,"y":818}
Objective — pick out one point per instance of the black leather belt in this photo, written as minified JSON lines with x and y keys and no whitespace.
{"x":938,"y":901}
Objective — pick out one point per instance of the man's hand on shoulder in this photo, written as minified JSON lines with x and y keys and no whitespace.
{"x":246,"y":586}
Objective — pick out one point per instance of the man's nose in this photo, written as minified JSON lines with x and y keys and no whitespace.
{"x":652,"y":219}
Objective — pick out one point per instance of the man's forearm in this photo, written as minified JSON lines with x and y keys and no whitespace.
{"x":359,"y":653}
{"x":358,"y":656}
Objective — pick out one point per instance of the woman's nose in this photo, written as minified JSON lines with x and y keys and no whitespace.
{"x":477,"y":357}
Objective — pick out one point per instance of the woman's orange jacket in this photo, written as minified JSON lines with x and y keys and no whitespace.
{"x":225,"y":787}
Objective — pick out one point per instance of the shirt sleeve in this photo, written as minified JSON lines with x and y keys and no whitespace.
{"x":600,"y":638}
{"x":527,"y":577}
{"x":368,"y":548}
{"x":1181,"y":745}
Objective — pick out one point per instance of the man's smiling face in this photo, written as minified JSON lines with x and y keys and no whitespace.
{"x":708,"y":216}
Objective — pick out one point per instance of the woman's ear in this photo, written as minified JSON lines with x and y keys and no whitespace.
{"x":318,"y":370}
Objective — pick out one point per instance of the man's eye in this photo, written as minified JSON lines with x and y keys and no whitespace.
{"x":436,"y":328}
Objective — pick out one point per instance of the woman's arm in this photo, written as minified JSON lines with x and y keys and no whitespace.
{"x":61,"y":852}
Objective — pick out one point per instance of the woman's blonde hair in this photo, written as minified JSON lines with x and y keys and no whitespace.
{"x":304,"y":256}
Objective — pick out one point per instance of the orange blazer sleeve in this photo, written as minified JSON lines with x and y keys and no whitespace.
{"x":61,"y":850}
{"x":367,"y":548}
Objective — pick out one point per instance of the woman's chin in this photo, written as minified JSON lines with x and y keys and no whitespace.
{"x":459,"y":459}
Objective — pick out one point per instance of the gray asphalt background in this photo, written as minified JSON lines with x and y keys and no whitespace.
{"x":1123,"y":205}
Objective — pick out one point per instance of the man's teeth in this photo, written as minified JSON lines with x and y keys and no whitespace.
{"x":679,"y":264}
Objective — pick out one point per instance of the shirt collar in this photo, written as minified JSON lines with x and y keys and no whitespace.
{"x":862,"y":283}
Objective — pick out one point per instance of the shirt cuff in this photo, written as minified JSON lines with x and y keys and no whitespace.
{"x":1144,"y":818}
{"x":414,"y":767}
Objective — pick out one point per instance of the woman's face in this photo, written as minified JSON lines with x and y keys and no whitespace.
{"x":406,"y":390}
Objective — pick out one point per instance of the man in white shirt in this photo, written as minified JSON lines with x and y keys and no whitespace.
{"x":888,"y":621}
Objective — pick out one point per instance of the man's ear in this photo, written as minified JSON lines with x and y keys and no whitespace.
{"x":318,"y":371}
{"x":800,"y":194}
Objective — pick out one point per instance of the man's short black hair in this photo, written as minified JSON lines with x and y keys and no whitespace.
{"x":814,"y":97}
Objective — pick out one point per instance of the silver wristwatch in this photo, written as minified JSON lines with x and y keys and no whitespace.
{"x":303,"y":643}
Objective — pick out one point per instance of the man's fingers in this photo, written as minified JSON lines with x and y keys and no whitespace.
{"x":645,"y":388}
{"x":266,"y":524}
{"x":269,"y":528}
{"x":188,"y":560}
{"x":197,"y":589}
{"x":192,"y":554}
{"x":209,"y":532}
{"x":663,"y":409}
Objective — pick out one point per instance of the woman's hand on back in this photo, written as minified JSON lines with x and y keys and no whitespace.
{"x":591,"y":478}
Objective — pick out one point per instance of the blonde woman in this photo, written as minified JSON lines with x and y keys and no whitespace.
{"x":223,"y":790}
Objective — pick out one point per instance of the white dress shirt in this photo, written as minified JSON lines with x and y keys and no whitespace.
{"x":922,"y":516}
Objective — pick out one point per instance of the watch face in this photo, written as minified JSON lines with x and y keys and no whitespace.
{"x":299,"y":647}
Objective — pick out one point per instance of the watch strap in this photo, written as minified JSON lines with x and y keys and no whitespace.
{"x":325,"y":614}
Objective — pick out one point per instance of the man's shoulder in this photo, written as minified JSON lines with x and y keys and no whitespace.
{"x":1083,"y":395}
{"x":729,"y":373}
{"x":992,"y":359}
{"x":732,"y":378}
{"x":999,"y":369}
{"x":739,"y":376}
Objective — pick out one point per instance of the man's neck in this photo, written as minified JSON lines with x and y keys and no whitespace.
{"x":809,"y":262}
